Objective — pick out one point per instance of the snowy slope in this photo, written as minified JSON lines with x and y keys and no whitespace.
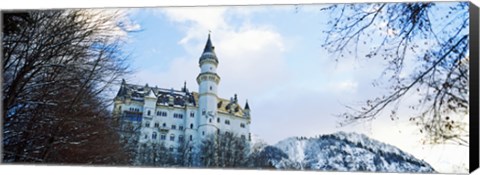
{"x":345,"y":152}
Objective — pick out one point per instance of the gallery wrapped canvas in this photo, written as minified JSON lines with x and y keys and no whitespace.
{"x":381,"y":87}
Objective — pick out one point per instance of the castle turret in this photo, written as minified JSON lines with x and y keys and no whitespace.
{"x":247,"y":110}
{"x":208,"y":81}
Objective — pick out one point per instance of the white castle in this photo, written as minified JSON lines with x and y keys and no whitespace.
{"x":172,"y":117}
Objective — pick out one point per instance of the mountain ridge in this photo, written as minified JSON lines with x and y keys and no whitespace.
{"x":341,"y":151}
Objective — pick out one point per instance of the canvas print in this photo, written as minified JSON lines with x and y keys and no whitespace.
{"x":364,"y":87}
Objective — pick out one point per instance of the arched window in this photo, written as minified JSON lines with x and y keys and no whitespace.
{"x":191,"y":126}
{"x":191,"y":137}
{"x":210,"y":120}
{"x":172,"y":137}
{"x":154,"y":135}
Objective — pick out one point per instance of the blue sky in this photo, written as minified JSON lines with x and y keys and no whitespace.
{"x":272,"y":56}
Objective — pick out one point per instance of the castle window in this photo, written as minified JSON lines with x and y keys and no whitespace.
{"x":148,"y":112}
{"x":180,"y":127}
{"x":171,"y":149}
{"x":146,"y":136}
{"x":210,"y":87}
{"x":249,"y":136}
{"x":210,"y":120}
{"x":180,"y":138}
{"x":191,"y":137}
{"x":154,"y":135}
{"x":243,"y":137}
{"x":172,"y":137}
{"x":162,"y":113}
{"x":227,"y":122}
{"x":218,"y":131}
{"x":163,"y":137}
{"x":191,"y":126}
{"x":174,"y":127}
{"x":157,"y":125}
{"x":179,"y":116}
{"x":203,"y":112}
{"x":242,"y":125}
{"x":203,"y":132}
{"x":218,"y":120}
{"x":147,"y":124}
{"x":164,"y":125}
{"x":192,"y":114}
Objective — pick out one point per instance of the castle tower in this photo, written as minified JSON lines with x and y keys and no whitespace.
{"x":208,"y":81}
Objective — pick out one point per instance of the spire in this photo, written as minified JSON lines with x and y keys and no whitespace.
{"x":246,"y":106}
{"x":209,"y":47}
{"x":209,"y":51}
{"x":184,"y":89}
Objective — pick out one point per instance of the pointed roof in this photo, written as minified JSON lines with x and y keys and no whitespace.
{"x":209,"y":47}
{"x":151,"y":94}
{"x":209,"y":51}
{"x":122,"y":91}
{"x":246,"y":106}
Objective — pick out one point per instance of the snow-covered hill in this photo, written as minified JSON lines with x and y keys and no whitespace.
{"x":342,"y":152}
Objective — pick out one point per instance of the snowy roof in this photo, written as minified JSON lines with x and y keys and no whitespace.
{"x":179,"y":97}
{"x":163,"y":96}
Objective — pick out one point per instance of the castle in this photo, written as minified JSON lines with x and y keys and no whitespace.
{"x":172,"y":117}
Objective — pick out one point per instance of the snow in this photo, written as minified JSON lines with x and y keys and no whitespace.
{"x":346,"y":152}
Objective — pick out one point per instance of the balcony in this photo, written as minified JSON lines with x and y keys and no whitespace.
{"x":163,"y":129}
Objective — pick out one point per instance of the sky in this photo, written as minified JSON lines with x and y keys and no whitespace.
{"x":272,"y":57}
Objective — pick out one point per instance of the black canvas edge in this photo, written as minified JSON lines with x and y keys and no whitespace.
{"x":474,"y":91}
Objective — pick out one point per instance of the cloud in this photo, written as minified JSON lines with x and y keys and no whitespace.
{"x":343,"y":86}
{"x":250,"y":56}
{"x":197,"y":21}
